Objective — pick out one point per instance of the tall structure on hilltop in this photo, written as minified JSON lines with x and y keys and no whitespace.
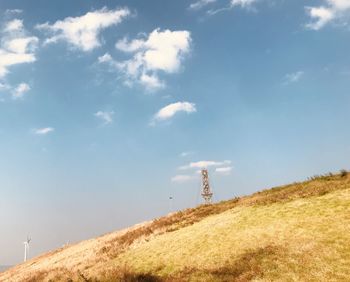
{"x":26,"y":248}
{"x":206,"y":192}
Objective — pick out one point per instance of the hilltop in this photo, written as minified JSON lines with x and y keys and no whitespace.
{"x":297,"y":232}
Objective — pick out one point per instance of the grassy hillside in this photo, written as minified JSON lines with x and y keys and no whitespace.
{"x":299,"y":232}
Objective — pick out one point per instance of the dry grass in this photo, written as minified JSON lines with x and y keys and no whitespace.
{"x":318,"y":185}
{"x":297,"y":232}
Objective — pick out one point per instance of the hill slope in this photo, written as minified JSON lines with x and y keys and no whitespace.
{"x":298,"y":232}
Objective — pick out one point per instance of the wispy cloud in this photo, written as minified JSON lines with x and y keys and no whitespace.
{"x":13,"y":11}
{"x":293,"y":77}
{"x":14,"y":25}
{"x":322,"y":15}
{"x":170,"y":110}
{"x":159,"y":52}
{"x":243,"y":4}
{"x":44,"y":131}
{"x":105,"y":116}
{"x":186,"y":154}
{"x":20,"y":91}
{"x":180,"y":178}
{"x":200,"y":4}
{"x":204,"y":164}
{"x":221,"y":167}
{"x":83,"y":32}
{"x":224,"y":170}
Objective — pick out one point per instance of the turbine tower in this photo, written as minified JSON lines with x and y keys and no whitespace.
{"x":26,"y":248}
{"x":206,"y":192}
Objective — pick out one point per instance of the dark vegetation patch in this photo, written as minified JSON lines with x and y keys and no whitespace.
{"x":124,"y":274}
{"x":115,"y":275}
{"x":129,"y":277}
{"x":247,"y":267}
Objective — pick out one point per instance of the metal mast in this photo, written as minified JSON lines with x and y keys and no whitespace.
{"x":206,"y":192}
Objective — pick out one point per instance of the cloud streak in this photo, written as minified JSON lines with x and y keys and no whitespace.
{"x":181,"y":178}
{"x":204,"y":164}
{"x":232,"y":4}
{"x":245,"y":4}
{"x":44,"y":131}
{"x":200,"y":4}
{"x":224,"y":170}
{"x":170,"y":110}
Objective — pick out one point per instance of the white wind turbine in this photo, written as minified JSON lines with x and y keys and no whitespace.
{"x":26,"y":248}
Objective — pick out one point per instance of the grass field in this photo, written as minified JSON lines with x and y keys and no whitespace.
{"x":299,"y":232}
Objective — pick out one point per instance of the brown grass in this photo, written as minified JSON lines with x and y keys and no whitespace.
{"x":86,"y":264}
{"x":246,"y":267}
{"x":57,"y":274}
{"x":318,"y":186}
{"x":124,"y":274}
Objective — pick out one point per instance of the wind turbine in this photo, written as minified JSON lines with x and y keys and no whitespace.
{"x":26,"y":248}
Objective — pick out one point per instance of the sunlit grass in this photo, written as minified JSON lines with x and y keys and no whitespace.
{"x":298,"y":232}
{"x":306,"y":239}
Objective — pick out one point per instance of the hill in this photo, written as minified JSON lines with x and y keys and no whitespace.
{"x":4,"y":267}
{"x":298,"y":232}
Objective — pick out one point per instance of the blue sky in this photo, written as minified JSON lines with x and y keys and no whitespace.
{"x":107,"y":108}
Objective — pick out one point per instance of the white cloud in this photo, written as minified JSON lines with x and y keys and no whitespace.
{"x":224,"y":170}
{"x":200,"y":4}
{"x":44,"y":131}
{"x":170,"y":110}
{"x":293,"y":77}
{"x":322,"y":15}
{"x":83,"y":32}
{"x":182,"y":178}
{"x":14,"y":25}
{"x":14,"y":11}
{"x":204,"y":164}
{"x":105,"y":58}
{"x":8,"y":59}
{"x":106,"y":117}
{"x":160,"y":51}
{"x":242,"y":3}
{"x":21,"y":45}
{"x":16,"y":47}
{"x":130,"y":47}
{"x":151,"y":81}
{"x":20,"y":90}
